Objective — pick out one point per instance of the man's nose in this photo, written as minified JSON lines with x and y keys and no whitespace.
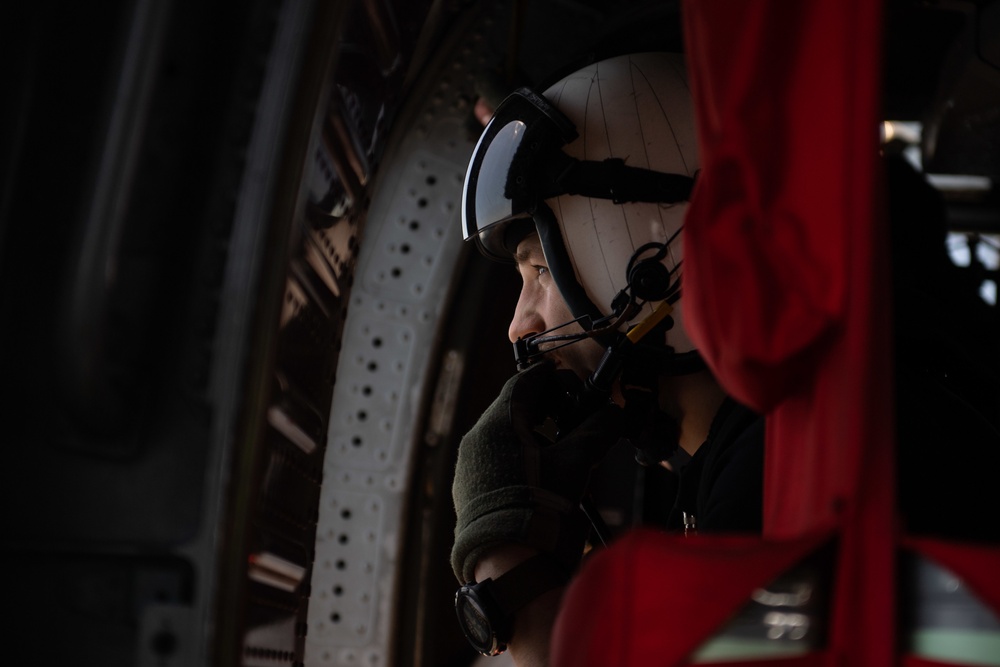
{"x":526,"y":320}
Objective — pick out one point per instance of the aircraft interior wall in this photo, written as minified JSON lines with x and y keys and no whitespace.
{"x":242,"y":335}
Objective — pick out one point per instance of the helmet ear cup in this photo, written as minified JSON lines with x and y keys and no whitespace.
{"x":649,"y":279}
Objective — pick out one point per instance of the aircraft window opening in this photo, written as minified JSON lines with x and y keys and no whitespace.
{"x":973,"y":250}
{"x":988,"y":250}
{"x":988,"y":292}
{"x":980,"y":254}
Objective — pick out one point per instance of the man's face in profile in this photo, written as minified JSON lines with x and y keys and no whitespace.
{"x":541,"y":307}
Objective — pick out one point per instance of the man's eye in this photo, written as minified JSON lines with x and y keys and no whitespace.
{"x":542,"y":270}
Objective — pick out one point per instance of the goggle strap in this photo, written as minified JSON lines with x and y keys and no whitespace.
{"x":613,"y":179}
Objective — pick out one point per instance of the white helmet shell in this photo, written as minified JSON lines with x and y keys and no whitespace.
{"x":636,"y":108}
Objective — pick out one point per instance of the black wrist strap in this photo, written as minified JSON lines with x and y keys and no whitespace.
{"x":526,"y":581}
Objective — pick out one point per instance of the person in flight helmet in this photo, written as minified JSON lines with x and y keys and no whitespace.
{"x":585,"y":187}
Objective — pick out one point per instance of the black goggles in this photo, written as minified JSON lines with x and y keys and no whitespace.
{"x":518,"y":163}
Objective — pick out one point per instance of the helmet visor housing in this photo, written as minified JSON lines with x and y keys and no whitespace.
{"x":499,"y":179}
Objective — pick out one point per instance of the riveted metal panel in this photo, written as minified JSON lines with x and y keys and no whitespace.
{"x":410,"y":251}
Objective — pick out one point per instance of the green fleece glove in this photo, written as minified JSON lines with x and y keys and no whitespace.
{"x":513,"y":484}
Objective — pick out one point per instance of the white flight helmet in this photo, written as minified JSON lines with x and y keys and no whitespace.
{"x":603,"y":165}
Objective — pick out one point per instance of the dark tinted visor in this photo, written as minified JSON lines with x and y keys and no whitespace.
{"x":524,"y":127}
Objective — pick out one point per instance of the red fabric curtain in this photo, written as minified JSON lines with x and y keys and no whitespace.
{"x":786,"y":283}
{"x":784,"y":291}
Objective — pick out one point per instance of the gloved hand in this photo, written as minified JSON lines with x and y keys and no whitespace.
{"x":514,"y":484}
